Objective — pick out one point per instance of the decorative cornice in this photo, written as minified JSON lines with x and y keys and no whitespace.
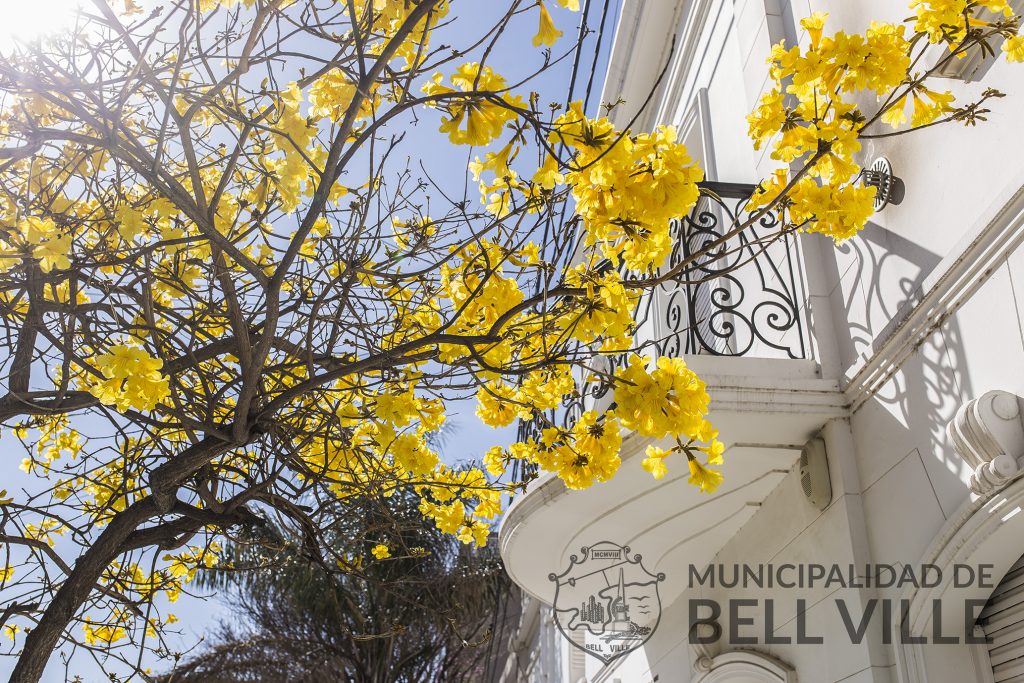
{"x":989,"y":435}
{"x":817,"y":397}
{"x":687,"y":44}
{"x":632,"y":45}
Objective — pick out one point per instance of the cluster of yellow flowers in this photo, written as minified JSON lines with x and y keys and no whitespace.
{"x":668,"y":401}
{"x":392,"y":443}
{"x":44,"y":242}
{"x":589,"y":452}
{"x":388,"y":18}
{"x":808,"y":120}
{"x":56,"y":438}
{"x":388,"y":448}
{"x":461,"y":502}
{"x":822,"y":129}
{"x":478,"y":288}
{"x":132,"y":379}
{"x":111,"y":488}
{"x":331,"y":94}
{"x":454,"y":518}
{"x":105,"y":633}
{"x":947,"y":21}
{"x":627,"y":187}
{"x":483,"y":118}
{"x":131,"y":581}
{"x":581,"y":455}
{"x":185,"y":564}
{"x":607,"y":307}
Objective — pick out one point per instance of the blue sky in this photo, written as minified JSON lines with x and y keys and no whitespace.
{"x":466,"y":437}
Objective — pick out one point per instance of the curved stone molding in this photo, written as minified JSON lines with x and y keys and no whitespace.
{"x":984,"y":531}
{"x":989,"y":435}
{"x":743,"y":666}
{"x":703,"y":654}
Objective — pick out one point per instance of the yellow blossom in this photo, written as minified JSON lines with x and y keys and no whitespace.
{"x":495,"y":404}
{"x":814,"y":25}
{"x":670,"y":400}
{"x":473,"y":531}
{"x":494,"y":461}
{"x":705,"y":479}
{"x":133,"y":379}
{"x":484,"y":118}
{"x":35,"y":230}
{"x":547,"y":34}
{"x":655,"y":461}
{"x":591,"y":451}
{"x":53,"y":253}
{"x":1014,"y":48}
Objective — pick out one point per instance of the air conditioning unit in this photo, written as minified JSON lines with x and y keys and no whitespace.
{"x":814,"y":478}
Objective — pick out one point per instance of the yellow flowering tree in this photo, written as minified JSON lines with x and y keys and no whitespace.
{"x":228,"y":295}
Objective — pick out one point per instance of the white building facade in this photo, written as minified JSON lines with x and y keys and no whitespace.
{"x":893,"y":363}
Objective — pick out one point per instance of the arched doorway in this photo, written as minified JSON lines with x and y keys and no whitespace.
{"x":744,"y":666}
{"x":1002,"y":620}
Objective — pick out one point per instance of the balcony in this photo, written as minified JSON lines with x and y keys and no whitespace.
{"x":737,"y":315}
{"x":741,"y":298}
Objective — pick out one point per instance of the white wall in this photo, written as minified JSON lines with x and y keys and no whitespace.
{"x":896,"y":477}
{"x":897,"y":481}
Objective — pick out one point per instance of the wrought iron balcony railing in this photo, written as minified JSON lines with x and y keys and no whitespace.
{"x":738,"y":295}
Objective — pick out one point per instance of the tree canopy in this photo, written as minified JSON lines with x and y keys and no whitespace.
{"x":231,"y":298}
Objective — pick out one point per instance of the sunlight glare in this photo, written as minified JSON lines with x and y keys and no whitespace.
{"x":25,"y":20}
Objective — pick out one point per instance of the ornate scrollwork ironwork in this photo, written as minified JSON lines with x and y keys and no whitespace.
{"x":736,"y":294}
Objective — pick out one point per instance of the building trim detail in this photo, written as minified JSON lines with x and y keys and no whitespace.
{"x":985,"y":531}
{"x":997,"y":234}
{"x":745,"y":665}
{"x":989,"y":435}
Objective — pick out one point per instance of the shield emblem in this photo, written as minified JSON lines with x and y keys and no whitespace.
{"x":606,"y":603}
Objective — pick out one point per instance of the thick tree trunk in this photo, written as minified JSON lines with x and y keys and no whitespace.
{"x":40,"y":643}
{"x":109,"y":545}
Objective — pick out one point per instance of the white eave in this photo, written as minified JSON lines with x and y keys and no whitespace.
{"x":765,"y":411}
{"x":642,"y":47}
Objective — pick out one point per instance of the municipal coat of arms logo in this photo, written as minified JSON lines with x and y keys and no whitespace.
{"x":606,"y":602}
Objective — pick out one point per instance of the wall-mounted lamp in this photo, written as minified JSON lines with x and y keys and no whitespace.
{"x":891,"y":189}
